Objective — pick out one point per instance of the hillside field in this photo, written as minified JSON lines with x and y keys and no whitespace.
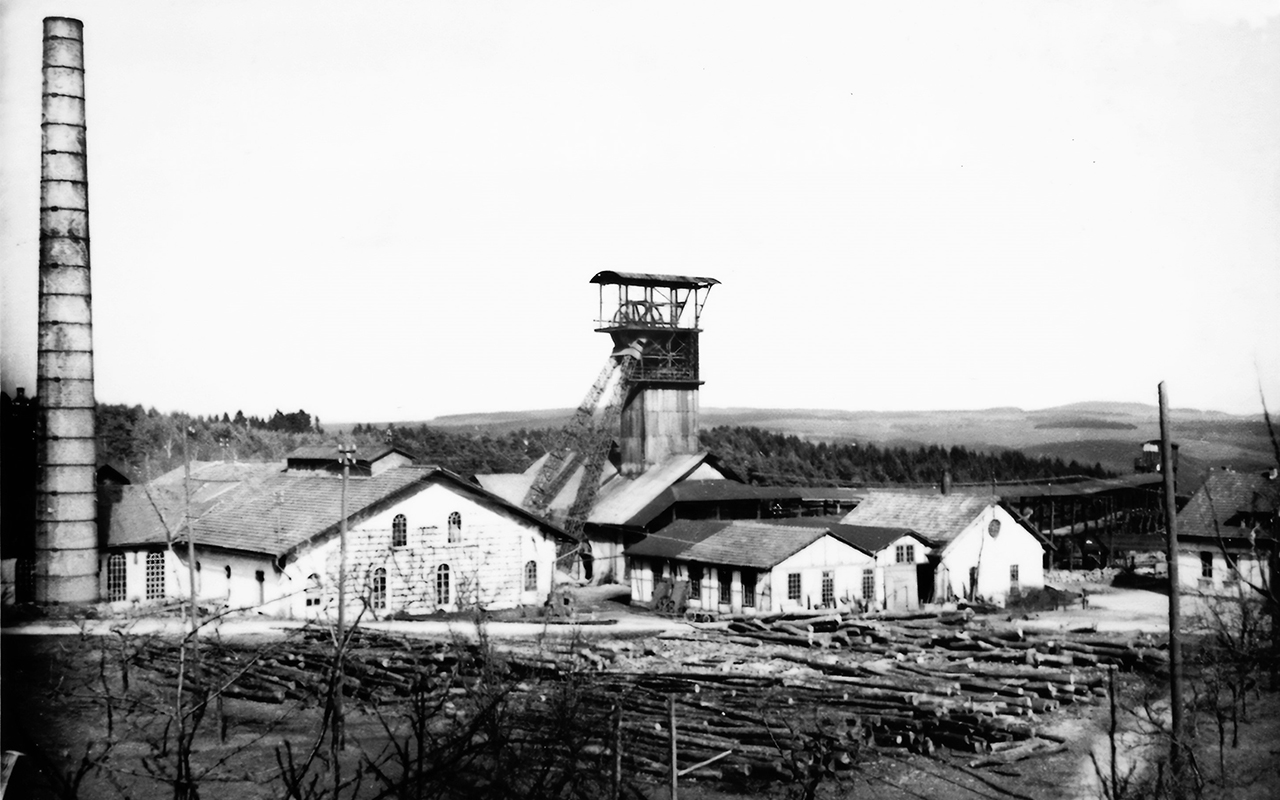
{"x":1107,"y":433}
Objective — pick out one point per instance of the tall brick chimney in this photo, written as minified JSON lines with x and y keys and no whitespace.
{"x":66,"y":541}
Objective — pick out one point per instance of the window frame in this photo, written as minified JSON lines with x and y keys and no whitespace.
{"x":1206,"y":565}
{"x":455,"y":527}
{"x":378,"y":589}
{"x":531,"y":576}
{"x":155,"y":588}
{"x":117,"y":578}
{"x":828,"y":588}
{"x":400,"y":531}
{"x":869,"y":585}
{"x":443,"y":585}
{"x":748,"y":588}
{"x":793,"y":587}
{"x":724,"y":587}
{"x":313,"y":594}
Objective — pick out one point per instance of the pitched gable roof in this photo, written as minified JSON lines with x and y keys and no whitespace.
{"x":673,"y":540}
{"x":940,"y":517}
{"x":329,"y":452}
{"x":733,"y":543}
{"x":1228,"y":499}
{"x":283,"y":512}
{"x":620,"y":500}
{"x":867,"y":538}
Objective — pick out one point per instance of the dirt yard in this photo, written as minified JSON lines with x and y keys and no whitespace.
{"x":53,"y":709}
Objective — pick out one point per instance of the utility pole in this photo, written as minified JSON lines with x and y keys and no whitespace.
{"x":346,"y":455}
{"x":187,"y":430}
{"x":1175,"y":612}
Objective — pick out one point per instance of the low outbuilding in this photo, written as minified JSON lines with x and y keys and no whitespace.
{"x":763,"y":566}
{"x":980,"y":551}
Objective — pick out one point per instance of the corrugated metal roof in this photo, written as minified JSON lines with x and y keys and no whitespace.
{"x":708,"y":491}
{"x":651,"y":279}
{"x":621,"y":499}
{"x":222,"y":471}
{"x":1074,"y":488}
{"x":329,"y":452}
{"x":940,"y":517}
{"x":677,"y":537}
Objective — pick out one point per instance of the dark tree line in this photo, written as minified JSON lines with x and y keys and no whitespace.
{"x":150,"y":443}
{"x":765,"y":458}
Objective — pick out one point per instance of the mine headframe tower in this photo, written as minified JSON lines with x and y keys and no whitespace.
{"x":646,"y":395}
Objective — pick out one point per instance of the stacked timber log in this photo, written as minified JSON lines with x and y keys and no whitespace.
{"x":826,"y":686}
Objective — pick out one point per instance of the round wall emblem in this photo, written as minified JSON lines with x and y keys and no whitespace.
{"x":993,"y":528}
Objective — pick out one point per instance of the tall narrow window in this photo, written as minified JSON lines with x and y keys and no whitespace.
{"x":748,"y":589}
{"x":725,"y":578}
{"x":793,"y":586}
{"x":155,"y":575}
{"x":116,"y":578}
{"x":455,"y":527}
{"x":399,"y":531}
{"x":261,"y":578}
{"x":869,"y":586}
{"x":442,"y":585}
{"x":828,"y":588}
{"x":378,"y":590}
{"x":695,"y":581}
{"x":1014,"y":583}
{"x":1206,"y":564}
{"x":531,"y":576}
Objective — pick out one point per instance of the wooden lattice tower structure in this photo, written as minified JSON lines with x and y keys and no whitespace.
{"x":645,"y":396}
{"x":659,"y":316}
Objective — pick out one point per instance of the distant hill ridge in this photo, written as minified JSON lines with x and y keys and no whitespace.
{"x":1109,"y":433}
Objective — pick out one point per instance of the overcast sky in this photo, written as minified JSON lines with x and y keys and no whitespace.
{"x":388,"y":210}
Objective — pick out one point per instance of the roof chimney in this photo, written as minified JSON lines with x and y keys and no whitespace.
{"x":945,"y":487}
{"x":66,"y":554}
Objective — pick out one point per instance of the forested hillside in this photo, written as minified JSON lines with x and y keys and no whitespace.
{"x":765,"y":458}
{"x":149,"y":443}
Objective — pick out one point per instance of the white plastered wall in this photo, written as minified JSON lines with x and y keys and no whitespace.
{"x":486,"y":564}
{"x":993,"y":557}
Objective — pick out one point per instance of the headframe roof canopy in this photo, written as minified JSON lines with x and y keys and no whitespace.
{"x":609,"y":277}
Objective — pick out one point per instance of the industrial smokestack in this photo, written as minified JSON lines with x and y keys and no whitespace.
{"x":66,"y":545}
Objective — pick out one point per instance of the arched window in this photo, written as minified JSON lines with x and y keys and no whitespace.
{"x":399,"y":531}
{"x":378,"y":593}
{"x":455,"y":527}
{"x":531,"y":576}
{"x":442,"y":585}
{"x":313,"y":590}
{"x":155,"y":575}
{"x":116,"y":578}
